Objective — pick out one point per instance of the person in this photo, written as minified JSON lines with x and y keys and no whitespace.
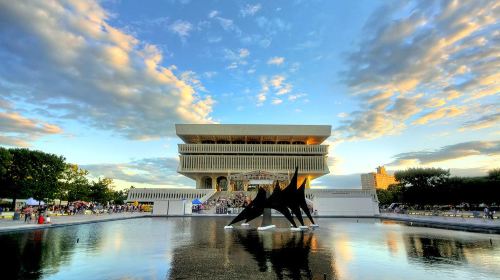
{"x":27,"y":214}
{"x":1,"y":210}
{"x":17,"y":215}
{"x":41,"y":220}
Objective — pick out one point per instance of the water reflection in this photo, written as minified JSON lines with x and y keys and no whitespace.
{"x":27,"y":254}
{"x":200,"y":248}
{"x":284,"y":254}
{"x":432,"y":250}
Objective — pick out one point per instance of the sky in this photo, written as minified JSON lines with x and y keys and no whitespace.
{"x":402,"y":83}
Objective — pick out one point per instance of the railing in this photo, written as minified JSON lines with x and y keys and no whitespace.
{"x":252,"y":149}
{"x":311,"y":193}
{"x":153,"y":194}
{"x":225,"y":163}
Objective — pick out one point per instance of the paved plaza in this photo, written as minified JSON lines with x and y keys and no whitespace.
{"x":11,"y":225}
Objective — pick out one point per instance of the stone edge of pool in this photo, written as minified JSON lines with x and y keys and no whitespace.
{"x":24,"y":227}
{"x":410,"y":221}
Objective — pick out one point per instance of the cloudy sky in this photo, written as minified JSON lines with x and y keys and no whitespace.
{"x":403,"y":83}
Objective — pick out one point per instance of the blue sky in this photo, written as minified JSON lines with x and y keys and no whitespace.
{"x":403,"y":83}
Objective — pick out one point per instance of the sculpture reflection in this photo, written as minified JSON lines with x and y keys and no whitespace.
{"x":290,"y":258}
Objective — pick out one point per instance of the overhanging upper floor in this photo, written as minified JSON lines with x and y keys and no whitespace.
{"x":253,"y":133}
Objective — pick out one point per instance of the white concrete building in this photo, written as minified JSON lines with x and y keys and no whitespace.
{"x":212,"y":152}
{"x":228,"y":158}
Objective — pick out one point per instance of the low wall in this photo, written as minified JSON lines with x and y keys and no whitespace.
{"x":171,"y":207}
{"x":346,"y":206}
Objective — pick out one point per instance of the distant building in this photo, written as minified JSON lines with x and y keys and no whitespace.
{"x":379,"y":180}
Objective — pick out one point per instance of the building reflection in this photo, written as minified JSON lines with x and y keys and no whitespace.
{"x":436,"y":250}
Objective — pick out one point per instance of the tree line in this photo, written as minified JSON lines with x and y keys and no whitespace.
{"x":434,"y":186}
{"x":25,"y":173}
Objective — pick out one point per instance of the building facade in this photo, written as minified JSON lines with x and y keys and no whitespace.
{"x":226,"y":158}
{"x":379,"y":180}
{"x":212,"y":153}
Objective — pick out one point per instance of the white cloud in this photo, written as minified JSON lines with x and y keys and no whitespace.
{"x":228,"y":25}
{"x":237,"y":58}
{"x":244,"y":53}
{"x":446,"y":50}
{"x":276,"y":84}
{"x":150,"y":171}
{"x":276,"y":101}
{"x":451,"y":152}
{"x":446,"y":112}
{"x":17,"y":130}
{"x":192,"y":79}
{"x":213,"y":14}
{"x":78,"y":65}
{"x":277,"y":81}
{"x":181,"y":28}
{"x":483,"y":122}
{"x":250,"y":10}
{"x":277,"y":60}
{"x":294,"y":97}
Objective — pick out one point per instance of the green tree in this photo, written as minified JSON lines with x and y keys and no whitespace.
{"x":33,"y":173}
{"x":43,"y":171}
{"x":494,"y":174}
{"x":119,"y":197}
{"x":74,"y":183}
{"x":385,"y":197}
{"x":5,"y":165}
{"x":422,"y":177}
{"x":18,"y":176}
{"x":101,"y":191}
{"x":5,"y":162}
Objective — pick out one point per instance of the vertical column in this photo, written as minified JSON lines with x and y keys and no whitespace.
{"x":214,"y":182}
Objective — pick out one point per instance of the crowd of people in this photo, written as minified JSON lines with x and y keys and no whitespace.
{"x":41,"y":214}
{"x":225,"y":204}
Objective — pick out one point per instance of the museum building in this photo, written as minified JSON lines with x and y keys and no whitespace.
{"x":228,"y":158}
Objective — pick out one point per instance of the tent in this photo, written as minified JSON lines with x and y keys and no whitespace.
{"x":196,"y":201}
{"x":32,"y":201}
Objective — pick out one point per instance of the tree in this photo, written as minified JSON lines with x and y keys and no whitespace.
{"x":421,"y":185}
{"x":5,"y":162}
{"x":119,"y":197}
{"x":422,"y":177}
{"x":74,"y":183}
{"x":15,"y":183}
{"x":33,"y":173}
{"x":48,"y":169}
{"x":101,"y":191}
{"x":494,"y":174}
{"x":5,"y":165}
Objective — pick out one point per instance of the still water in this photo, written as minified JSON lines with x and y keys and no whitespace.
{"x":200,"y":248}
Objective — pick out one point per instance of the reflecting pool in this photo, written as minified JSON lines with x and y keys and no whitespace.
{"x":200,"y":248}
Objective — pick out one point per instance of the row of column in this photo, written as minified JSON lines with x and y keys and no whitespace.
{"x":281,"y":163}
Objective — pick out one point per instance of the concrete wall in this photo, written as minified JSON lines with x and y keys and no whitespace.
{"x":345,"y":206}
{"x":160,"y":207}
{"x":172,"y":207}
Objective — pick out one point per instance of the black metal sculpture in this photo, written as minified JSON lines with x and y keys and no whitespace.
{"x":287,"y":201}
